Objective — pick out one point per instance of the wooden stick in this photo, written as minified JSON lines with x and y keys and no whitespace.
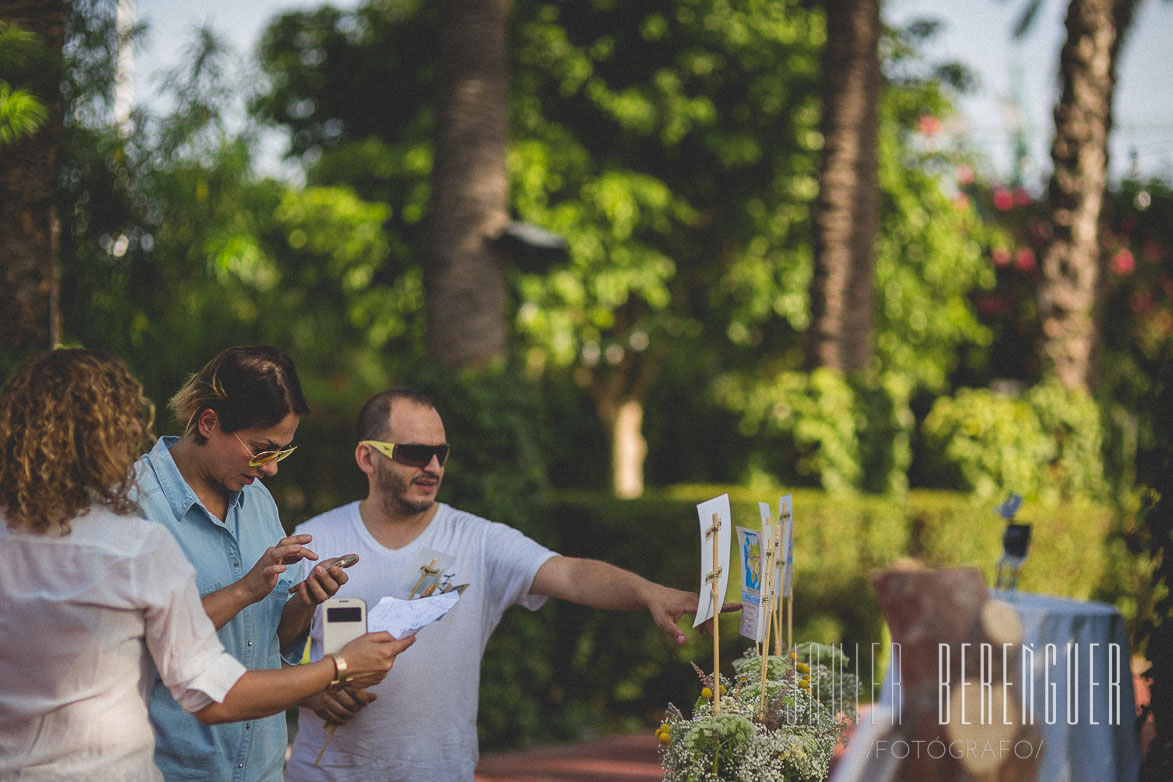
{"x":763,"y":600}
{"x":784,"y":554}
{"x":716,"y":576}
{"x":790,"y":620}
{"x":768,"y":613}
{"x":779,"y":554}
{"x":329,"y":735}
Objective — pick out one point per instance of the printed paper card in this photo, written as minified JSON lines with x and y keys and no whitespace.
{"x":750,"y":548}
{"x":402,"y":618}
{"x":786,"y":517}
{"x":706,"y":510}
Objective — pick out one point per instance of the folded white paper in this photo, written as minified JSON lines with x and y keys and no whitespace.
{"x":402,"y":618}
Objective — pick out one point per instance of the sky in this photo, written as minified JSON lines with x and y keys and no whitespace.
{"x":976,"y":33}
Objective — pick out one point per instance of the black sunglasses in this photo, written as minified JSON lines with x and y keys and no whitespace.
{"x":412,"y":455}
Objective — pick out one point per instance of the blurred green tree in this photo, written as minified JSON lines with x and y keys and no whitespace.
{"x":178,"y":249}
{"x":21,"y":112}
{"x":32,"y":41}
{"x":671,"y":145}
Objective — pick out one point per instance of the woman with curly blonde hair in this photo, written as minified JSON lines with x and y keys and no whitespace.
{"x":94,"y":600}
{"x":75,"y":421}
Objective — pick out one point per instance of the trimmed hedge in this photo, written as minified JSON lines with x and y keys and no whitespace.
{"x":566,"y":671}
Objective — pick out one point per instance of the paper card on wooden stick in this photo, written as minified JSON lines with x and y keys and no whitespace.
{"x":719,"y":506}
{"x":749,"y":546}
{"x":773,"y":585}
{"x":786,"y":518}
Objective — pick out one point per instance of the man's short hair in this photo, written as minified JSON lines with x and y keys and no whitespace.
{"x":374,"y":420}
{"x":248,"y":387}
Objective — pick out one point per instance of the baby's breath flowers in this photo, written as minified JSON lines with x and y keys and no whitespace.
{"x":809,"y":703}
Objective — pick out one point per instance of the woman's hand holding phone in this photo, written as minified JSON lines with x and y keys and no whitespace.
{"x":324,"y":579}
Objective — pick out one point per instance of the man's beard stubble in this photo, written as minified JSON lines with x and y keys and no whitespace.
{"x":394,"y":491}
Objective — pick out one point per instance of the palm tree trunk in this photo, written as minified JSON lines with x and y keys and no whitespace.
{"x":847,"y":209}
{"x":1083,"y":118}
{"x":29,"y":223}
{"x":464,"y":280}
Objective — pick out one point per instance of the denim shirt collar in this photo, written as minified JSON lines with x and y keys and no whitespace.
{"x":180,"y":496}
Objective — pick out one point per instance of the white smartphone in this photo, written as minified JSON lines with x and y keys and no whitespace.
{"x":344,"y":619}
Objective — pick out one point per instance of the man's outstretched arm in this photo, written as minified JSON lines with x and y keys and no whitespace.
{"x":593,"y":583}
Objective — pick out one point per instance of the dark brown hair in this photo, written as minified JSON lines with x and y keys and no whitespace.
{"x":253,"y":386}
{"x":374,"y":420}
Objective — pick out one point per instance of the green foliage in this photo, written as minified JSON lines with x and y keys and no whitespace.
{"x":492,"y":419}
{"x":1135,"y":311}
{"x":929,"y":246}
{"x":22,"y":112}
{"x":549,"y":675}
{"x":844,"y":434}
{"x":1156,"y":542}
{"x":1045,"y":444}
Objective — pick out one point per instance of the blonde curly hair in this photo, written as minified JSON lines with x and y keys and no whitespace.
{"x":72,"y":423}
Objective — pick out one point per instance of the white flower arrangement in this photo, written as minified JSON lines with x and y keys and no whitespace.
{"x":787,"y":736}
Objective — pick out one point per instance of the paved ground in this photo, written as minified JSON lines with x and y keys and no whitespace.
{"x":620,"y":759}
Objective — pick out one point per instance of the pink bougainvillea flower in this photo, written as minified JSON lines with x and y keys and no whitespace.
{"x":1024,"y":259}
{"x":1001,"y":256}
{"x":993,"y":304}
{"x":965,"y":174}
{"x":928,"y":124}
{"x":1140,"y":302}
{"x":1020,"y":197}
{"x":1003,"y":199}
{"x":1123,"y":262}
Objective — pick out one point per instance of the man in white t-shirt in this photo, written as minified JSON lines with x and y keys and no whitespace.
{"x":420,"y":723}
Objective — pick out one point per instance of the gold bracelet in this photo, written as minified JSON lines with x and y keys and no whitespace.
{"x":340,"y":673}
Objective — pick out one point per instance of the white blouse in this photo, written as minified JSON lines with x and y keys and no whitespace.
{"x":85,"y":620}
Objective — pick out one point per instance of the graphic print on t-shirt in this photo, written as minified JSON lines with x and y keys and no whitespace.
{"x":431,"y":574}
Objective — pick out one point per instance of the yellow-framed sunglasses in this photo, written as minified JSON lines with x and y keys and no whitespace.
{"x":410,"y":454}
{"x":264,"y":457}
